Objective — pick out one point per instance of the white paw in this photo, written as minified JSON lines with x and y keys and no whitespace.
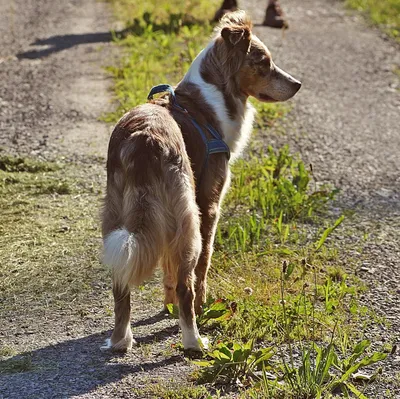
{"x":204,"y":343}
{"x":123,"y":345}
{"x":107,"y":345}
{"x":196,"y":343}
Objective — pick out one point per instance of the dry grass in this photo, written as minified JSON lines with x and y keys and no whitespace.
{"x":49,"y":234}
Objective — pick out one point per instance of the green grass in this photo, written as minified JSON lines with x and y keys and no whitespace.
{"x":385,"y":13}
{"x":10,"y":163}
{"x":6,"y":351}
{"x":160,"y":42}
{"x":49,"y":233}
{"x":270,"y":193}
{"x":172,"y":390}
{"x":274,"y":214}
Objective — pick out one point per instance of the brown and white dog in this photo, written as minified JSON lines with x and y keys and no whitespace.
{"x":157,"y":210}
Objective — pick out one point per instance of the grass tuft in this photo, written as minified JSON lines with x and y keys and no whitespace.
{"x":172,"y":390}
{"x":11,"y":163}
{"x":19,"y":364}
{"x":271,"y":193}
{"x":385,"y":13}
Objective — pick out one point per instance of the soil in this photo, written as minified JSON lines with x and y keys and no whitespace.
{"x":52,"y":87}
{"x":345,"y":121}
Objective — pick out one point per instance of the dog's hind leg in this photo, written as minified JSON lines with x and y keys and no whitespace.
{"x":121,"y":338}
{"x":186,"y":251}
{"x":185,"y":293}
{"x":209,"y":222}
{"x":169,"y":283}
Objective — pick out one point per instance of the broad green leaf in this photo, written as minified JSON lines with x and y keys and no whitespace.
{"x":353,"y":389}
{"x":328,"y":231}
{"x":358,"y":350}
{"x":376,"y":357}
{"x":289,"y":270}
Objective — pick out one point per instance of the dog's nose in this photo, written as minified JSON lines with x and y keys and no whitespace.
{"x":297,"y":85}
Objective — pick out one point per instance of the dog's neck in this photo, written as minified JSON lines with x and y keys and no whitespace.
{"x":233,"y":112}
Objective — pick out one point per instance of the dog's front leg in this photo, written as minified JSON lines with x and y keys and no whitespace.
{"x":209,"y":221}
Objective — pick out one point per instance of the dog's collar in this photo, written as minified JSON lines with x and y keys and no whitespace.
{"x":213,"y":146}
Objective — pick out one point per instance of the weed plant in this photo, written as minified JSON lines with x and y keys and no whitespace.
{"x":301,"y":369}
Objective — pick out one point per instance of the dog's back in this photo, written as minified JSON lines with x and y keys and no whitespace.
{"x":150,"y":212}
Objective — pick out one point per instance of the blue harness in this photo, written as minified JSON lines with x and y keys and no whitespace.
{"x":214,"y":145}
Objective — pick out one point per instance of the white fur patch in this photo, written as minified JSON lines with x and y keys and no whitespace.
{"x":191,"y":338}
{"x":245,"y":131}
{"x":124,"y":344}
{"x":107,"y":345}
{"x":235,"y":131}
{"x":118,"y":247}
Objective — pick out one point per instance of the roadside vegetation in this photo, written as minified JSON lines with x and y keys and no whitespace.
{"x":384,"y":13}
{"x":283,"y":316}
{"x":48,"y":233}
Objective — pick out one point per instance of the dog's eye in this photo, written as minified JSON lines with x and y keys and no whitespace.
{"x":258,"y":57}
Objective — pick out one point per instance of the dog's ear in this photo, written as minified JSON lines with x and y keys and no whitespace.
{"x":237,"y":37}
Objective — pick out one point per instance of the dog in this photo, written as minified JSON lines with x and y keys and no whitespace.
{"x":168,"y":170}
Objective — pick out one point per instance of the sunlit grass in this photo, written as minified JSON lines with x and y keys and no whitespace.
{"x":49,"y":232}
{"x":274,"y":213}
{"x":385,"y":13}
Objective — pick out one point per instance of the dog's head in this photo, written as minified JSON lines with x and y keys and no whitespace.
{"x":248,"y":62}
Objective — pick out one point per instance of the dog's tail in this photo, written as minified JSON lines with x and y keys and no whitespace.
{"x":150,"y":213}
{"x":123,"y":252}
{"x":134,"y":247}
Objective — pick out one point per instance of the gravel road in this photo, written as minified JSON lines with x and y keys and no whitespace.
{"x":52,"y":88}
{"x":345,"y":121}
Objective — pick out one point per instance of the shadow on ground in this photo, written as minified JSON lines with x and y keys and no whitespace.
{"x":78,"y":366}
{"x":138,"y":27}
{"x":55,"y":44}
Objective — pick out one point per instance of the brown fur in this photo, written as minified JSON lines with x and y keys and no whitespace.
{"x":155,"y":199}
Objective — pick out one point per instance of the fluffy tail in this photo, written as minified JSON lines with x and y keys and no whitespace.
{"x":130,"y":258}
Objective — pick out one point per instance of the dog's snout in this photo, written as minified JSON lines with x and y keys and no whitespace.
{"x":297,"y":85}
{"x":284,"y":86}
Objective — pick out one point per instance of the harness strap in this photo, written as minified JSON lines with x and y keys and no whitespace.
{"x":215,"y":145}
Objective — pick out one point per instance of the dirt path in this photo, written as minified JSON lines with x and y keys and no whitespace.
{"x":52,"y":88}
{"x":345,"y":121}
{"x":52,"y":91}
